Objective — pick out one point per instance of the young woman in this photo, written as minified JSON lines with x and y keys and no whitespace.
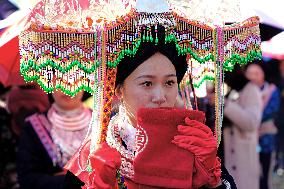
{"x":49,"y":140}
{"x":242,"y":113}
{"x":147,"y":86}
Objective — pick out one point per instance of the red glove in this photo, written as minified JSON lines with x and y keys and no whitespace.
{"x":104,"y":161}
{"x":199,"y":140}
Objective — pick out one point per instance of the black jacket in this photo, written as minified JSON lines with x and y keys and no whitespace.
{"x":34,"y":166}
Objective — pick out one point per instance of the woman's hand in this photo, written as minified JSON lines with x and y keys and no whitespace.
{"x":199,"y":140}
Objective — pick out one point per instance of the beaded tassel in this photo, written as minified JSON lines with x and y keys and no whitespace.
{"x":191,"y":37}
{"x":218,"y":85}
{"x":156,"y":38}
{"x":75,"y":57}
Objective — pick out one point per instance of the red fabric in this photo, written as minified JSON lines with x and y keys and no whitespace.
{"x":162,"y":163}
{"x":132,"y":185}
{"x":198,"y":139}
{"x":82,"y":158}
{"x":10,"y":63}
{"x":104,"y":162}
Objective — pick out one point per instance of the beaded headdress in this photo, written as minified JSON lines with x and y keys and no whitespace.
{"x":77,"y":44}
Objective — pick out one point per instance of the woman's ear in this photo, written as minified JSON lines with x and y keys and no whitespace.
{"x":118,"y":91}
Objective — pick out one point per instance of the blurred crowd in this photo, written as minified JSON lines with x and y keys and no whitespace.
{"x":252,"y":146}
{"x":25,"y":157}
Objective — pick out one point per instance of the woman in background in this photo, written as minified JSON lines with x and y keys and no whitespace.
{"x":268,"y":130}
{"x":49,"y":140}
{"x":242,"y":113}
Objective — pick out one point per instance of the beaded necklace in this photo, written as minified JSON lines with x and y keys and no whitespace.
{"x":69,"y":120}
{"x":68,"y":129}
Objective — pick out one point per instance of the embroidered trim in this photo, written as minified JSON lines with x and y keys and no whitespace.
{"x":141,"y":140}
{"x":41,"y":130}
{"x":52,"y":140}
{"x":113,"y":140}
{"x":116,"y":133}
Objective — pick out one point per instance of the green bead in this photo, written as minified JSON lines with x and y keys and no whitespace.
{"x":156,"y":41}
{"x":151,"y":39}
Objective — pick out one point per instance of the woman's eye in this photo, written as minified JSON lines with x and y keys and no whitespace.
{"x":170,"y":83}
{"x":147,"y":83}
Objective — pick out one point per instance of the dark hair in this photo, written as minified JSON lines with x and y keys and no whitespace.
{"x":148,"y":49}
{"x":236,"y":79}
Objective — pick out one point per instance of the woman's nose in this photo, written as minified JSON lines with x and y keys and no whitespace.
{"x":159,"y":96}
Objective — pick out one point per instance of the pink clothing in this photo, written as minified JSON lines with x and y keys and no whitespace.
{"x":241,"y":140}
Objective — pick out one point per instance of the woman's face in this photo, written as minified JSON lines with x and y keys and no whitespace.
{"x":65,"y":102}
{"x":152,"y":84}
{"x":255,"y":74}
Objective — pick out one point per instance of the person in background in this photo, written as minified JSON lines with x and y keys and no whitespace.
{"x":279,"y":167}
{"x":242,"y":113}
{"x":268,"y":130}
{"x":23,"y":101}
{"x":48,"y":140}
{"x":7,"y":144}
{"x":19,"y":102}
{"x":277,"y":177}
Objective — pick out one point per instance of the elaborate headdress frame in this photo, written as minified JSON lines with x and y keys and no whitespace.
{"x":74,"y":49}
